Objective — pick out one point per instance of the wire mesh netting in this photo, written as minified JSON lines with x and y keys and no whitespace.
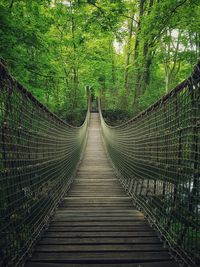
{"x":38,"y":156}
{"x":157,"y":158}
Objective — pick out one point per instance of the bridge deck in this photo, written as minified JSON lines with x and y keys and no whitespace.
{"x":96,"y":224}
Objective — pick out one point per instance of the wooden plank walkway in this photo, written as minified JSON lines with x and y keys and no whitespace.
{"x":96,"y":224}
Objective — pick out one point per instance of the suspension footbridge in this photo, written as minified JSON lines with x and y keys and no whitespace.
{"x":98,"y":195}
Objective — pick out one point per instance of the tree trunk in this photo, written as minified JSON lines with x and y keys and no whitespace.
{"x":142,"y":67}
{"x":136,"y":51}
{"x":112,"y":54}
{"x":74,"y":67}
{"x":128,"y":56}
{"x":11,"y":4}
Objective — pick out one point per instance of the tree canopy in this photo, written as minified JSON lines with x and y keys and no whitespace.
{"x":130,"y":52}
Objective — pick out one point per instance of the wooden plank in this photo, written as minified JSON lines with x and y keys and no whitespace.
{"x":96,"y":219}
{"x":99,"y":213}
{"x":96,"y":194}
{"x":103,"y":256}
{"x":99,"y":240}
{"x":95,"y":234}
{"x":95,"y":186}
{"x":91,"y":205}
{"x":142,"y":264}
{"x":92,"y":194}
{"x":81,"y":189}
{"x":111,"y":198}
{"x":100,"y":247}
{"x":98,"y":223}
{"x":105,"y":228}
{"x":97,"y":181}
{"x":94,"y":206}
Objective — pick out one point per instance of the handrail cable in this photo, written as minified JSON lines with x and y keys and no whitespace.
{"x":156,"y":156}
{"x":39,"y":155}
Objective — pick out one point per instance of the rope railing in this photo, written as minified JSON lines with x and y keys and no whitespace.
{"x":156,"y":156}
{"x":39,"y":154}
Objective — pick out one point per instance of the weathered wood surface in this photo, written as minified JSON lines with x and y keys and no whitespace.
{"x":96,"y":224}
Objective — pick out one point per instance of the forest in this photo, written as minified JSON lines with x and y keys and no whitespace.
{"x":129,"y":52}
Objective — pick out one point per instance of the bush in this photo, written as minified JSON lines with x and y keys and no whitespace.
{"x":116,"y":117}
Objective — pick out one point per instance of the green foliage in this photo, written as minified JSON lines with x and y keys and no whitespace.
{"x":130,"y":52}
{"x":116,"y":117}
